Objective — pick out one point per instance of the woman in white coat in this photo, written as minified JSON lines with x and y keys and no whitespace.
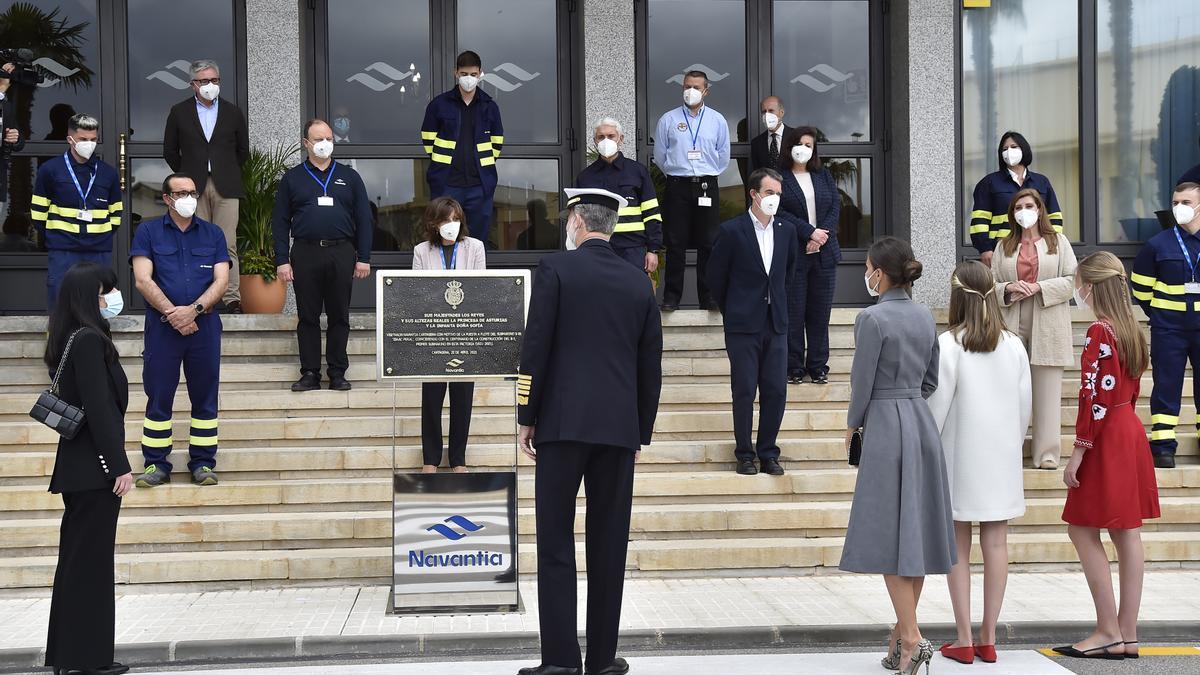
{"x":982,"y":407}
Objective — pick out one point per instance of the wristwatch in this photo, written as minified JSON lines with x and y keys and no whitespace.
{"x":199,"y":307}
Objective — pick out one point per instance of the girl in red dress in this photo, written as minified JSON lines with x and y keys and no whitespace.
{"x":1110,"y":477}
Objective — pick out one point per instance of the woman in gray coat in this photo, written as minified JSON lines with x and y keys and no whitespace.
{"x":901,"y":525}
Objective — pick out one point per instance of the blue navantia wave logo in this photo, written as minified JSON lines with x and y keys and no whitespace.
{"x":453,"y":535}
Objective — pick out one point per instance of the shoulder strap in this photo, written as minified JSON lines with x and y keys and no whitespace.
{"x":63,"y":361}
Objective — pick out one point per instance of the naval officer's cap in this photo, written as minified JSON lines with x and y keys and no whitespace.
{"x":610,"y":200}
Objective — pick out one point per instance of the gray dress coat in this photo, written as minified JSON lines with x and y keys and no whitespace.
{"x":901,"y":522}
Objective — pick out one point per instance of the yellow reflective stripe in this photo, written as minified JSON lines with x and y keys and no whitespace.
{"x":116,"y":206}
{"x":151,"y":442}
{"x":1162,"y":434}
{"x":39,"y":200}
{"x":497,"y":139}
{"x":656,"y":216}
{"x":1142,"y":279}
{"x":1057,"y":215}
{"x":487,"y":161}
{"x":630,"y":211}
{"x":67,"y":212}
{"x":630,"y":227}
{"x":441,"y":159}
{"x":1159,"y":303}
{"x":650,"y":204}
{"x":485,"y":146}
{"x":100,"y":228}
{"x":1145,"y":296}
{"x":428,"y":135}
{"x":522,"y":400}
{"x":204,"y":424}
{"x":443,"y":143}
{"x":1000,"y":234}
{"x":986,"y":215}
{"x":429,"y":149}
{"x":1000,"y":219}
{"x":1058,"y":228}
{"x":62,"y":225}
{"x":1163,"y":418}
{"x":155,"y":425}
{"x":203,"y":441}
{"x":38,"y":215}
{"x":1169,"y":289}
{"x":980,"y":229}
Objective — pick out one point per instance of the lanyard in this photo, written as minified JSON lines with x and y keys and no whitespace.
{"x":696,"y":134}
{"x":1187,"y":257}
{"x":453,"y":259}
{"x":325,"y":185}
{"x":71,"y":172}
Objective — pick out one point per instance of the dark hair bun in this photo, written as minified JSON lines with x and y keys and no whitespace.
{"x":912,"y":271}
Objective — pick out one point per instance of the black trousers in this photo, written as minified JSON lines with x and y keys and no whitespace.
{"x":607,"y":475}
{"x":635,"y":255}
{"x":810,"y":301}
{"x":757,"y":363}
{"x":83,"y":606}
{"x":433,"y":394}
{"x":324,"y":276}
{"x":686,"y":225}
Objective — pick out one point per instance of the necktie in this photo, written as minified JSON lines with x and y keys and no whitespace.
{"x":773,"y":152}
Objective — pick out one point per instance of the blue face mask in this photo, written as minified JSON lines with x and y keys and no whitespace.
{"x":115,"y":303}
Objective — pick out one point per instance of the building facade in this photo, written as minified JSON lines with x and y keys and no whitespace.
{"x":910,"y":99}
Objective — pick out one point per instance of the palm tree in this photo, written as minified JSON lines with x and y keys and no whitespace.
{"x":47,"y":34}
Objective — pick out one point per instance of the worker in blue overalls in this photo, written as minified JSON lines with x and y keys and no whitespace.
{"x":1166,"y":283}
{"x":181,"y":267}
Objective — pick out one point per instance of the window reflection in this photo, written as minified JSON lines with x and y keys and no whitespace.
{"x":1147,"y":109}
{"x":19,"y":235}
{"x":821,"y":66}
{"x":517,"y":41}
{"x":853,"y":178}
{"x":1021,"y":72}
{"x":708,"y":35}
{"x":159,"y":59}
{"x":379,"y":76}
{"x":526,"y":206}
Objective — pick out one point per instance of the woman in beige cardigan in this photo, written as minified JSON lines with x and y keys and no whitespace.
{"x":446,"y":247}
{"x":1034,"y":267}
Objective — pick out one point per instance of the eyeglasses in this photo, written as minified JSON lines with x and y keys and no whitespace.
{"x":185,"y":193}
{"x":211,"y":80}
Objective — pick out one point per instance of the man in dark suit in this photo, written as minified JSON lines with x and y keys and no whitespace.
{"x":752,"y":265}
{"x":207,"y":138}
{"x":764,"y":148}
{"x":587,"y":395}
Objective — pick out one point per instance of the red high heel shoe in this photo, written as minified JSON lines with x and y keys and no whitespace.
{"x":960,"y":654}
{"x":986,"y":653}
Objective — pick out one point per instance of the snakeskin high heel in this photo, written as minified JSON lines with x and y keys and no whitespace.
{"x":922,"y":655}
{"x":892,"y":660}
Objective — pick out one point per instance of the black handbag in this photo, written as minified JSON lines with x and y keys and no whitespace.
{"x":855,"y":449}
{"x":54,"y":412}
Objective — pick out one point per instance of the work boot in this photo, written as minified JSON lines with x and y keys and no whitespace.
{"x":153,"y":476}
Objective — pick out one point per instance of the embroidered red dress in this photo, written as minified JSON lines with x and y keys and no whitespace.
{"x":1117,"y":487}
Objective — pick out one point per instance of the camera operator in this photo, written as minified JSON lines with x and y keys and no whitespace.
{"x":12,"y":141}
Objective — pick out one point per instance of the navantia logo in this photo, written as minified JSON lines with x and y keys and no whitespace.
{"x":713,"y":75}
{"x":382,"y":69}
{"x":833,"y":75}
{"x":54,"y":67}
{"x":171,"y":79}
{"x":462,"y":522}
{"x":519,"y":75}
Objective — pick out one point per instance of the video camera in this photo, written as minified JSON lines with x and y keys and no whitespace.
{"x":25,"y":72}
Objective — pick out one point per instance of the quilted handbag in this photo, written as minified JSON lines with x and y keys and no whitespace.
{"x":54,"y":412}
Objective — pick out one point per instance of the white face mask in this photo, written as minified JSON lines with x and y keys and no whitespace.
{"x":1081,"y":301}
{"x":571,"y":245}
{"x":114,"y":303}
{"x":692,"y":97}
{"x":801,"y":154}
{"x":323,"y":149}
{"x":468,"y":83}
{"x":1183,"y":213}
{"x":186,"y":206}
{"x":85,"y":149}
{"x":771,"y":121}
{"x":769,"y":204}
{"x":607,"y":147}
{"x":873,"y":291}
{"x":1027,"y":218}
{"x":1012,"y":156}
{"x":210,"y":91}
{"x":449,"y":231}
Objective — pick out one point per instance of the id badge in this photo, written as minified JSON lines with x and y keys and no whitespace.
{"x":1192,"y":287}
{"x":325,"y":201}
{"x":704,"y":201}
{"x":694,"y":155}
{"x":85,"y":215}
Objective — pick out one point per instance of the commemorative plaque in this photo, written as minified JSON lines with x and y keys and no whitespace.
{"x":449,"y":325}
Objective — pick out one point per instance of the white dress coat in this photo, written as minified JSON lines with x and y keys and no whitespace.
{"x":982,"y":408}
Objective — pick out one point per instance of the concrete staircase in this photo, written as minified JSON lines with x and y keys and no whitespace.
{"x":305,"y":491}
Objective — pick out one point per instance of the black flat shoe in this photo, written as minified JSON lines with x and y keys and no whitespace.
{"x":670,"y":306}
{"x":307,"y":382}
{"x":1093,"y":653}
{"x":619,"y":666}
{"x":1129,"y":655}
{"x":746,"y":467}
{"x":1164,"y":461}
{"x":339,"y":383}
{"x":772,"y":467}
{"x":550,"y":670}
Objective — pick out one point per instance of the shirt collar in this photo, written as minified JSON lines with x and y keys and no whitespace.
{"x":698,"y":112}
{"x":170,"y":225}
{"x":1185,"y":234}
{"x":203,"y":108}
{"x":758,"y":224}
{"x":1013,"y":175}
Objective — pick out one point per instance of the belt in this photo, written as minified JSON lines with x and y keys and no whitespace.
{"x":324,"y":243}
{"x":884,"y":394}
{"x":692,"y":179}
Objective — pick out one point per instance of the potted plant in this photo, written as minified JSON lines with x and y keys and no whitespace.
{"x":262,"y":292}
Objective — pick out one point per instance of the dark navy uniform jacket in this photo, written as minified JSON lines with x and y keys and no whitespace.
{"x":640,"y":223}
{"x":440,"y":136}
{"x":56,"y":204}
{"x":1158,"y":277}
{"x":591,"y":360}
{"x":989,"y":212}
{"x":183,"y":260}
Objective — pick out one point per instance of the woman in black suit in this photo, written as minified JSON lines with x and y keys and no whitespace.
{"x":811,"y":198}
{"x":90,"y":471}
